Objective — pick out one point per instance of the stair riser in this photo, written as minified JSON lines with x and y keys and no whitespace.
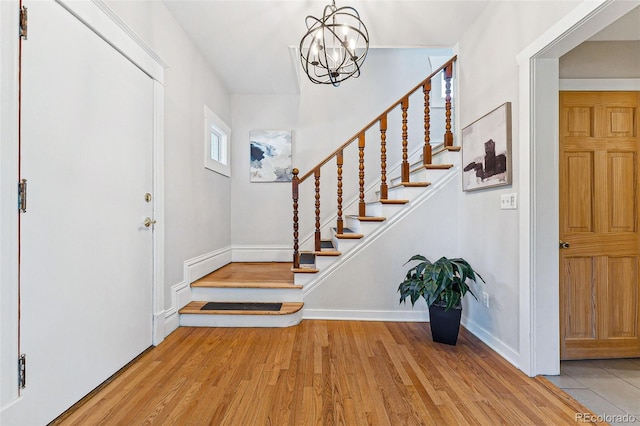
{"x":424,"y":175}
{"x":404,"y":193}
{"x":359,"y":227}
{"x":449,"y":157}
{"x":302,"y":278}
{"x":384,"y":210}
{"x":209,"y":294}
{"x":210,"y":320}
{"x":344,"y":245}
{"x":325,"y":261}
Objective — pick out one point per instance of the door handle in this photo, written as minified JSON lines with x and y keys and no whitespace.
{"x":148,"y":222}
{"x":564,"y":244}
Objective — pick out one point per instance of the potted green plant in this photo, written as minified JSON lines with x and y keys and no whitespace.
{"x":442,"y":284}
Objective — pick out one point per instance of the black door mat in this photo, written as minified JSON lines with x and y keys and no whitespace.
{"x":235,"y":306}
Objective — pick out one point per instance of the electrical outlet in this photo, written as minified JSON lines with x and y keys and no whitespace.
{"x":485,"y":299}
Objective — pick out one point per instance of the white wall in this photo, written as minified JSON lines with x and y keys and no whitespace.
{"x":361,"y":289}
{"x":488,"y":77}
{"x":322,"y":117}
{"x":197,"y":200}
{"x":602,"y":59}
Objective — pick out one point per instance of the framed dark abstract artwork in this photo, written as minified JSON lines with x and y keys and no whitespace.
{"x":486,"y":150}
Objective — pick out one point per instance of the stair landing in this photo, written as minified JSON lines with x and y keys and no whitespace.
{"x":250,"y":275}
{"x":245,"y":282}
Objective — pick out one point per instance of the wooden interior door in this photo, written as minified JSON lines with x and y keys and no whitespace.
{"x":599,"y":221}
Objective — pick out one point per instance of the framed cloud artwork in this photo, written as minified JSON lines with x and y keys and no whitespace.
{"x":270,"y":155}
{"x":486,"y":150}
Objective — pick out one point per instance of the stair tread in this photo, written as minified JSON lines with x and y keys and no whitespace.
{"x":249,"y":275}
{"x":349,"y":236}
{"x":327,"y":253}
{"x":244,"y":284}
{"x":305,"y":270}
{"x":392,"y":201}
{"x":196,"y":308}
{"x":431,"y":167}
{"x":323,"y":252}
{"x":411,"y":185}
{"x":368,"y":218}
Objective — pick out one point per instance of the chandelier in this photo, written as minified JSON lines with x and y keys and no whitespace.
{"x":335,"y":46}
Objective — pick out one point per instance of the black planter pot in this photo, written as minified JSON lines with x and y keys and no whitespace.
{"x":444,"y":324}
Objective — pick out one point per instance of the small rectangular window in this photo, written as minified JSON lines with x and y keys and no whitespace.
{"x":216,"y":143}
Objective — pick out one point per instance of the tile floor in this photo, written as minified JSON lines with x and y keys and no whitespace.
{"x":610,"y":388}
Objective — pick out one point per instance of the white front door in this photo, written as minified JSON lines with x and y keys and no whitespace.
{"x":85,"y":254}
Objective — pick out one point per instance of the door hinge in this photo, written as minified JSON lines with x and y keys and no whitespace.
{"x":22,"y":371}
{"x":22,"y":196}
{"x":23,"y":22}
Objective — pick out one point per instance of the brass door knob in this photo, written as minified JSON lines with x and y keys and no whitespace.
{"x":148,"y":222}
{"x":564,"y":244}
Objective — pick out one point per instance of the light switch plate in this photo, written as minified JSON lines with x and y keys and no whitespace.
{"x":509,"y":201}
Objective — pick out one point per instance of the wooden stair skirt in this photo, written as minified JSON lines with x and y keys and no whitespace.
{"x":247,"y":292}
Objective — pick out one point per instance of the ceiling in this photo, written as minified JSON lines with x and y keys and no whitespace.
{"x":251,"y":43}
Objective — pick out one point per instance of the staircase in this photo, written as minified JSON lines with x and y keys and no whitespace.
{"x":245,"y":294}
{"x":334,"y":240}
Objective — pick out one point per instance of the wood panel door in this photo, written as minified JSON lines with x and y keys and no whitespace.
{"x":599,"y":220}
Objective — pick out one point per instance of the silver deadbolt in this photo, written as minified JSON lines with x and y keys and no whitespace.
{"x":564,"y":244}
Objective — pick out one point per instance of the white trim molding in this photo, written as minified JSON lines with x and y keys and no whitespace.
{"x":490,"y":340}
{"x":102,"y":20}
{"x":193,"y":269}
{"x":262,"y":253}
{"x":607,"y":84}
{"x":361,"y":315}
{"x":158,"y":212}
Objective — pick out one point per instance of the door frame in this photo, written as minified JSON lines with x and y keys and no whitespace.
{"x":99,"y":17}
{"x":539,"y":179}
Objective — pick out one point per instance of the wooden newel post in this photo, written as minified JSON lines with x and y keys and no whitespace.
{"x":295,"y":181}
{"x":339,"y":163}
{"x":318,"y":242}
{"x":405,"y":141}
{"x":384,"y":188}
{"x":448,"y":74}
{"x":426,"y":151}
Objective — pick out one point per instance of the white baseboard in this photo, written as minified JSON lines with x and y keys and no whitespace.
{"x":490,"y":340}
{"x":262,"y":254}
{"x":193,"y":269}
{"x":200,"y":266}
{"x":395,"y":316}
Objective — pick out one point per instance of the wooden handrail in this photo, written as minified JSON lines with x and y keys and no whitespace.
{"x":403,"y":102}
{"x":448,"y":64}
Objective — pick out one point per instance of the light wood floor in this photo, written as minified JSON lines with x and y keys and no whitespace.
{"x":322,"y":373}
